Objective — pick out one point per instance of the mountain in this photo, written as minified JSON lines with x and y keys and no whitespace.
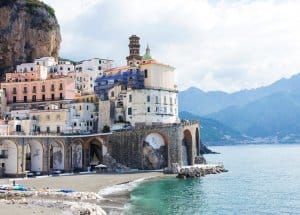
{"x":268,"y":114}
{"x":28,"y":30}
{"x":214,"y":132}
{"x":275,"y":115}
{"x":201,"y":103}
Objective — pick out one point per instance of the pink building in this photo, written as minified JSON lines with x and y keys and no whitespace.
{"x":36,"y":86}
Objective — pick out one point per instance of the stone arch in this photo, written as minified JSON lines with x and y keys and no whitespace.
{"x":9,"y":157}
{"x":34,"y":156}
{"x":96,"y":151}
{"x":197,"y":141}
{"x":56,"y":155}
{"x":187,"y":150}
{"x":77,"y":155}
{"x":155,"y":151}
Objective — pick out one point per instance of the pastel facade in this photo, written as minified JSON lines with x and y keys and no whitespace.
{"x":20,"y":88}
{"x":3,"y":102}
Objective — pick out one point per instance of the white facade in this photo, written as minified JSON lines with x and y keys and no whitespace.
{"x":83,"y":117}
{"x":62,"y":68}
{"x":88,"y":71}
{"x":151,"y":106}
{"x":45,"y":61}
{"x":158,"y":76}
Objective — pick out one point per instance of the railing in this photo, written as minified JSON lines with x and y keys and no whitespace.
{"x":37,"y":100}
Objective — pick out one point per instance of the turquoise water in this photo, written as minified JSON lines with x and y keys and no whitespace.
{"x":262,"y":179}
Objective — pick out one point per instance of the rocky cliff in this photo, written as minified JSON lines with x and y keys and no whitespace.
{"x":28,"y":30}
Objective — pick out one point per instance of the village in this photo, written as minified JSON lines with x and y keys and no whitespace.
{"x":59,"y":117}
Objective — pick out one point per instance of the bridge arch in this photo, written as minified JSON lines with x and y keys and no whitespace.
{"x":198,"y":146}
{"x":187,"y":148}
{"x":57,"y":155}
{"x":77,"y":155}
{"x":96,"y":151}
{"x":9,"y":157}
{"x":155,"y":151}
{"x":34,"y":156}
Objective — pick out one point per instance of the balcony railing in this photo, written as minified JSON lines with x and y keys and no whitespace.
{"x":37,"y":100}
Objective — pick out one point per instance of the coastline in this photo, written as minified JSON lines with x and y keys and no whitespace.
{"x":93,"y":193}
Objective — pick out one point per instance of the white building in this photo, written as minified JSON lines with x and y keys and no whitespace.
{"x":87,"y":72}
{"x":142,"y":93}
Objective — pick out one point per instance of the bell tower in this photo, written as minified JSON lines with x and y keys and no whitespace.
{"x":134,"y":51}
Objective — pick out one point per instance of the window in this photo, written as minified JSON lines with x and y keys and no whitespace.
{"x":25,"y":98}
{"x":34,"y":98}
{"x":43,"y":88}
{"x":87,"y":107}
{"x":92,"y":116}
{"x":43,"y":98}
{"x":91,"y":78}
{"x":52,"y":96}
{"x":31,"y":69}
{"x":48,"y":117}
{"x":130,"y":98}
{"x":156,"y":99}
{"x":165,"y":100}
{"x":75,"y":124}
{"x":79,"y":107}
{"x":129,"y":111}
{"x":14,"y":90}
{"x":87,"y":99}
{"x":58,"y":129}
{"x":25,"y":90}
{"x":18,"y":128}
{"x":92,"y":99}
{"x":99,"y":68}
{"x":171,"y":101}
{"x":112,"y":94}
{"x":148,"y":109}
{"x":165,"y":109}
{"x":156,"y":109}
{"x":146,"y":73}
{"x":14,"y":99}
{"x":61,"y":96}
{"x":60,"y":86}
{"x":148,"y":98}
{"x":34,"y":89}
{"x":52,"y":87}
{"x":48,"y":130}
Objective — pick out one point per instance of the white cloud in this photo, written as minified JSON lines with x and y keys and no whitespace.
{"x":215,"y":45}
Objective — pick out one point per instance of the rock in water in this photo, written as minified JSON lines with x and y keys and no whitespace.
{"x":28,"y":30}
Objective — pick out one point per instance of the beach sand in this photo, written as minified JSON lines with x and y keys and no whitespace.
{"x":80,"y":183}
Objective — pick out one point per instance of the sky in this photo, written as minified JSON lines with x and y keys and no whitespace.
{"x":226,"y":45}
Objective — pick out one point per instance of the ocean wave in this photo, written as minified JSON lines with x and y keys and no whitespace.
{"x":121,"y":188}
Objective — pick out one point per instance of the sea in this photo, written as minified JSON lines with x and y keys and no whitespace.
{"x":262,"y":179}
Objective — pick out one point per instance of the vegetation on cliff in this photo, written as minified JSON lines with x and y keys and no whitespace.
{"x":32,"y":5}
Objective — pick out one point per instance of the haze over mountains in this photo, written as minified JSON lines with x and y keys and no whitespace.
{"x":271,"y":112}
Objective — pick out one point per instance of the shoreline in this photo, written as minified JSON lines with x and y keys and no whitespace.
{"x":94,"y":194}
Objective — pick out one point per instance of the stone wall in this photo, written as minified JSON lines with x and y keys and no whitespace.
{"x":145,"y":147}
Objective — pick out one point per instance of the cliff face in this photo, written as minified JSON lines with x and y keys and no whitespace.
{"x":28,"y":30}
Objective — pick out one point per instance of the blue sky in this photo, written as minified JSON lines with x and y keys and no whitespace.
{"x":214,"y":45}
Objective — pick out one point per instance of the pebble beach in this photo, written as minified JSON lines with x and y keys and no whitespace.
{"x":90,"y":194}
